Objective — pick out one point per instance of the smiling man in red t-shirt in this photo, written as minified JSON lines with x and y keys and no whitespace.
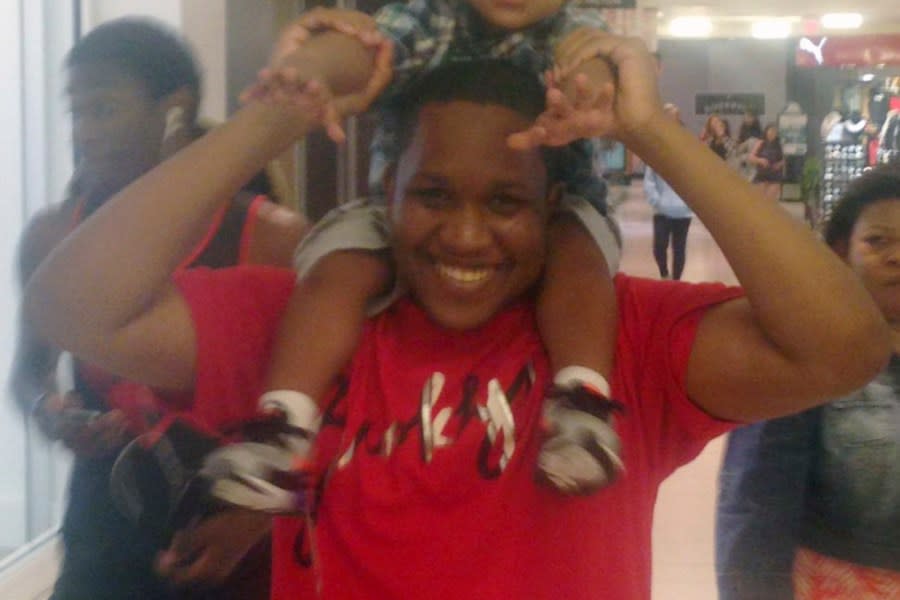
{"x":428,"y":445}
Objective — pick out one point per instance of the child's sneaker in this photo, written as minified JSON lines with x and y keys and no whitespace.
{"x":581,"y":454}
{"x":269,"y":472}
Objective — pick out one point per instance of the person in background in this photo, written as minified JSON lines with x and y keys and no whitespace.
{"x":428,"y":445}
{"x":671,"y":217}
{"x":134,"y":91}
{"x":768,"y":158}
{"x":809,"y":504}
{"x":748,"y":136}
{"x":717,"y":136}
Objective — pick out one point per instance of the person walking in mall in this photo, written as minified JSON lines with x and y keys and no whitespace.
{"x":769,"y":160}
{"x":671,"y":217}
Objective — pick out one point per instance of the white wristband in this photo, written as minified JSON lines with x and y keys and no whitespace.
{"x":569,"y":377}
{"x":300,"y":409}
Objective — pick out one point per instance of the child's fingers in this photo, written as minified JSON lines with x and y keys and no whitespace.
{"x":333,"y":127}
{"x":585,"y":93}
{"x":528,"y":139}
{"x":582,"y":45}
{"x":558,"y":105}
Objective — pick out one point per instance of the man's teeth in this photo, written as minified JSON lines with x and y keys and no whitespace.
{"x":463,"y":275}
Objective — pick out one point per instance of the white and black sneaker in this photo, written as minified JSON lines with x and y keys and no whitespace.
{"x":581,"y":452}
{"x":270,"y":471}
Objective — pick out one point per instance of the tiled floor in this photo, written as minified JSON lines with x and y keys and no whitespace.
{"x":683,"y":530}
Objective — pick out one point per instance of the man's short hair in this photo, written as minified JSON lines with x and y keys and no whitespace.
{"x":488,"y":81}
{"x":145,"y":49}
{"x":880,"y":183}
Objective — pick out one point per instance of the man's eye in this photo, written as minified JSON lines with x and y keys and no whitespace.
{"x":875,"y":240}
{"x":429,"y":197}
{"x":506,"y":204}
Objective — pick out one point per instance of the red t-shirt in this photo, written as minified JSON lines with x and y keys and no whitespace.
{"x":429,"y":447}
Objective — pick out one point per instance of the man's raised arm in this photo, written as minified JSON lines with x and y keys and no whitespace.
{"x":808,"y":330}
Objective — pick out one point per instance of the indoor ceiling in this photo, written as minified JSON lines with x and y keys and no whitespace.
{"x":734,"y":18}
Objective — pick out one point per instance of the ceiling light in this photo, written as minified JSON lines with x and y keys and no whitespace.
{"x":842,"y":20}
{"x":770,"y":30}
{"x":690,"y":27}
{"x":867,"y":77}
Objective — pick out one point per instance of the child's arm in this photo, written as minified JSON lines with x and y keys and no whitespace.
{"x":577,"y":297}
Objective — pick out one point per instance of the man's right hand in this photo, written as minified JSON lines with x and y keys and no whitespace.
{"x":87,"y":433}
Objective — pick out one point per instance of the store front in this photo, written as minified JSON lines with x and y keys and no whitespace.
{"x":850,"y":89}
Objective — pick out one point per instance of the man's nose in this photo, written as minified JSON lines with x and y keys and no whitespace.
{"x":892,"y":255}
{"x":466,"y":229}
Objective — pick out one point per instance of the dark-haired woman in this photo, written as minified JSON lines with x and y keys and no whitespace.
{"x":769,"y":160}
{"x":134,"y":90}
{"x":809,"y":506}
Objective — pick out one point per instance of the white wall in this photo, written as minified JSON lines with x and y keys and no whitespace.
{"x":11,"y":165}
{"x":203,"y":23}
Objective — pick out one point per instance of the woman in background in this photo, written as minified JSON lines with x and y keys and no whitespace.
{"x":717,"y":136}
{"x":134,"y":89}
{"x":809,"y":504}
{"x":768,"y":158}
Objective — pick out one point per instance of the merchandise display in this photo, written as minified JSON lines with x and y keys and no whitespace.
{"x":842,"y":163}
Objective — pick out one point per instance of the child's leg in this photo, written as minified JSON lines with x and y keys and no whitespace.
{"x":323,"y":320}
{"x":577,"y":318}
{"x":576,"y":307}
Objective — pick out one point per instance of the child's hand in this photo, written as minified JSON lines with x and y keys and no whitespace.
{"x":633,"y":100}
{"x":288,"y":88}
{"x":567,"y":118}
{"x":350,"y":22}
{"x":294,"y":36}
{"x":285,"y":78}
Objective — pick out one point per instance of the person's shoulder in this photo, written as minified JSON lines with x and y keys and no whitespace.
{"x":277,"y":230}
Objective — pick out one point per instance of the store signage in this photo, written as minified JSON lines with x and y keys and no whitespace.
{"x":860,"y":50}
{"x":729,"y":104}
